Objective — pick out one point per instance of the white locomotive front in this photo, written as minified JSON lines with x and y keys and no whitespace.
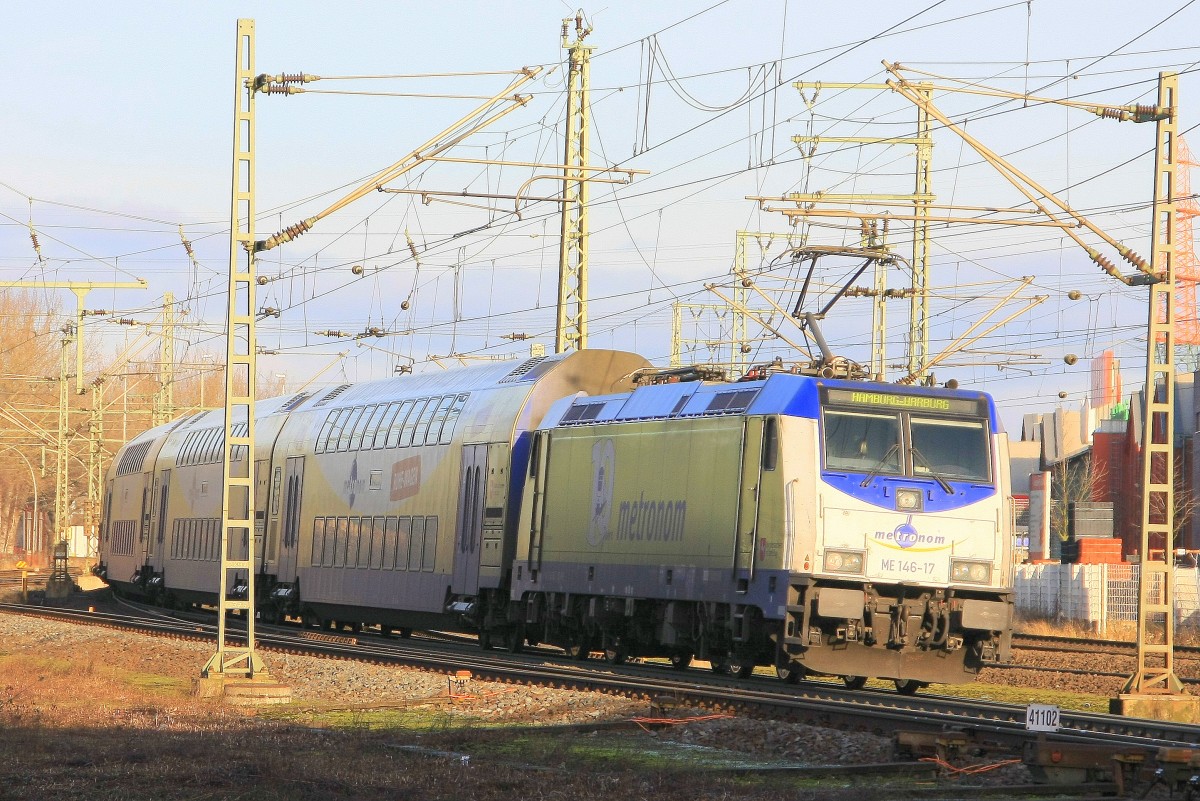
{"x":908,"y":571}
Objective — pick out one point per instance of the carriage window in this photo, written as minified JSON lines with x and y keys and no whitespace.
{"x":411,"y":424}
{"x":862,"y":442}
{"x":276,"y":479}
{"x":368,"y":441}
{"x":423,"y":423}
{"x":213,"y":527}
{"x":387,"y":551}
{"x":953,"y":449}
{"x":452,"y":418}
{"x":372,"y":536}
{"x":353,"y":540}
{"x":363,"y":428}
{"x":318,"y":542}
{"x":439,"y":420}
{"x":404,"y":532}
{"x":351,"y":423}
{"x":335,"y":430}
{"x":385,"y":424}
{"x":770,"y":448}
{"x":330,"y":542}
{"x":435,"y":428}
{"x":323,"y":436}
{"x":416,"y":545}
{"x":397,"y":426}
{"x":431,"y":529}
{"x":535,"y":451}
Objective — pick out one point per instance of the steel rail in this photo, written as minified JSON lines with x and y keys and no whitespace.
{"x":991,"y":724}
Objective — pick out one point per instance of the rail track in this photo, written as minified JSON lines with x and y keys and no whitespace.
{"x":11,"y":579}
{"x":35,"y":580}
{"x":1118,"y":658}
{"x":987,"y":725}
{"x":1047,"y":642}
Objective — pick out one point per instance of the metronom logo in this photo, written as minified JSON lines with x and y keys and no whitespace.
{"x":651,"y":520}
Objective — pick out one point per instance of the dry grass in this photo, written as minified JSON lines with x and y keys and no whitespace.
{"x":1122,"y":631}
{"x":103,"y":727}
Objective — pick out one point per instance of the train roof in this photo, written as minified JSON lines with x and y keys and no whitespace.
{"x":598,"y":363}
{"x":458,"y":379}
{"x":781,"y":393}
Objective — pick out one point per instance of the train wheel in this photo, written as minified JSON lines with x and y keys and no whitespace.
{"x":385,"y":631}
{"x":788,"y":675}
{"x":616,"y":654}
{"x":485,"y":639}
{"x":681,"y":660}
{"x":580,"y":650}
{"x":741,"y":668}
{"x":405,"y":632}
{"x":855,"y":682}
{"x":310,"y":619}
{"x":908,"y":686}
{"x":514,"y":640}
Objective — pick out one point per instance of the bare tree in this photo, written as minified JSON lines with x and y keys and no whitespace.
{"x":1075,"y":480}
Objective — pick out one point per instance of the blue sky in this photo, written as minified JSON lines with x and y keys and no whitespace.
{"x":120,"y":121}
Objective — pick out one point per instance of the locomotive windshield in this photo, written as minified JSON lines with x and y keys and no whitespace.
{"x":920,"y":436}
{"x":951,"y":448}
{"x":862,"y":442}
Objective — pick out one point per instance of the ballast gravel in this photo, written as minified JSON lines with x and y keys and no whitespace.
{"x":326,"y":683}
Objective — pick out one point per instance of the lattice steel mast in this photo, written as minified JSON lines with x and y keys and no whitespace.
{"x":570,"y":332}
{"x":164,"y":398}
{"x":1156,"y":618}
{"x":237,"y":524}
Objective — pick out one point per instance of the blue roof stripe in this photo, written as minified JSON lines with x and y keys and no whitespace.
{"x":792,"y":395}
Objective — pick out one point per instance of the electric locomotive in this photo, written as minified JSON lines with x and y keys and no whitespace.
{"x":821,"y":526}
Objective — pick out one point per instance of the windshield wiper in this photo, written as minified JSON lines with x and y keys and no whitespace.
{"x":938,"y":476}
{"x":879,"y":465}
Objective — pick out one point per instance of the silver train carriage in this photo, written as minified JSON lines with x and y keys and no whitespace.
{"x":391,"y":502}
{"x":821,"y":526}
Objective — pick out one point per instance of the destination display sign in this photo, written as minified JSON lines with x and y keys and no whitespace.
{"x":892,"y":400}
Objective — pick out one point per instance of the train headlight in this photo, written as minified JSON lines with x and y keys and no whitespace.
{"x":971,"y":572}
{"x":909,"y":500}
{"x":843,"y":562}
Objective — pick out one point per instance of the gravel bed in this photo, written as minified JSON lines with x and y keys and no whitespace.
{"x":323,"y":682}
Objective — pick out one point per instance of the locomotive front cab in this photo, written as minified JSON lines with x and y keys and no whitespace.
{"x":909,"y":570}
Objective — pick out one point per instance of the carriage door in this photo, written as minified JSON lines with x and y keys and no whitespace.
{"x":262,"y":472}
{"x":160,"y":525}
{"x":469,"y":532}
{"x":147,"y":511}
{"x":747,"y":514}
{"x":293,"y":482}
{"x":495,"y":504}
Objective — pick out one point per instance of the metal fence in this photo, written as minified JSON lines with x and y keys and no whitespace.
{"x":1097,"y":595}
